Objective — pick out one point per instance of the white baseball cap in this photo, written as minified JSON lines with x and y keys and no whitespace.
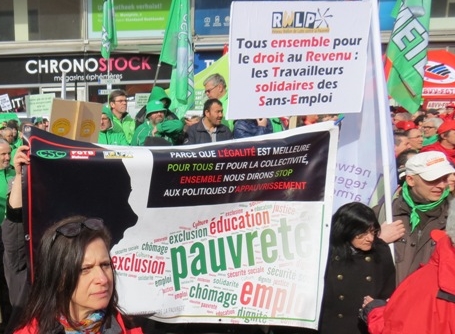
{"x":429,"y":165}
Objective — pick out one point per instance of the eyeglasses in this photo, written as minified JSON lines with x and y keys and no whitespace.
{"x":374,"y":232}
{"x":209,"y":90}
{"x":120,"y":101}
{"x":72,"y":230}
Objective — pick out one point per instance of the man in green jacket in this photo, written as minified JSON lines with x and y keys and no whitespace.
{"x":157,"y":125}
{"x":119,"y":105}
{"x":107,"y":133}
{"x":158,"y":94}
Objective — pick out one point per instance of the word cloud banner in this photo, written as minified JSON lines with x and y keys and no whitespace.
{"x":297,"y":57}
{"x":233,"y":232}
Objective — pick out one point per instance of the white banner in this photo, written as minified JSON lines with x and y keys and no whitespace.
{"x":228,"y":233}
{"x":297,"y":57}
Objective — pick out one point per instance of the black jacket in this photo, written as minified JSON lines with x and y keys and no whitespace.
{"x":197,"y":134}
{"x":347,"y":283}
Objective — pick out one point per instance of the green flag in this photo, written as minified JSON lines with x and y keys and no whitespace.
{"x":407,"y":52}
{"x":108,"y":30}
{"x":178,"y":52}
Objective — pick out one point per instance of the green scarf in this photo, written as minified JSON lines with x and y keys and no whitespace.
{"x":415,"y":219}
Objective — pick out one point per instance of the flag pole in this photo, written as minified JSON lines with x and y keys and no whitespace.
{"x":109,"y":84}
{"x":108,"y":37}
{"x":156,"y":73}
{"x":383,"y":114}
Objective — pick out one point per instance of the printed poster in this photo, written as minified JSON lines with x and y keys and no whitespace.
{"x":297,"y":57}
{"x":228,"y":233}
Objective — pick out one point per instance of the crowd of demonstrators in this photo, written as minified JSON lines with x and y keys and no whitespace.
{"x":359,"y":263}
{"x":151,"y":125}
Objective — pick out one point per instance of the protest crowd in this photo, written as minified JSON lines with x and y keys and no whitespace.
{"x":366,"y":289}
{"x":381,"y":276}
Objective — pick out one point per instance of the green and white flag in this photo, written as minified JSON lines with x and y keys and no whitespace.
{"x":108,"y":30}
{"x":178,"y":52}
{"x":407,"y":52}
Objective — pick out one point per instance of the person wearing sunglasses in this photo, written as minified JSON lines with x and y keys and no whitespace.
{"x":79,"y":297}
{"x":83,"y":272}
{"x":359,"y":264}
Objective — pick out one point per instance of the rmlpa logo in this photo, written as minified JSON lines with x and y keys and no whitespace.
{"x":297,"y":22}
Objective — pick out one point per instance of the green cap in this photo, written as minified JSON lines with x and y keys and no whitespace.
{"x":154,"y":106}
{"x":38,"y":120}
{"x":107,"y":111}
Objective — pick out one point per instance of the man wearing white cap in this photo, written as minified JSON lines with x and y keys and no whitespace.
{"x":422,"y":206}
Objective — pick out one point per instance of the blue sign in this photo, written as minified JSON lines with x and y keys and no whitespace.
{"x":213,"y":17}
{"x":202,"y":60}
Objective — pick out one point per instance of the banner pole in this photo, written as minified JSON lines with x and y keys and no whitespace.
{"x":384,"y":115}
{"x":156,"y":74}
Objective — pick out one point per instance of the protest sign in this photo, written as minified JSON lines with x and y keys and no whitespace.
{"x":228,"y":233}
{"x":39,"y":105}
{"x":5,"y":103}
{"x":297,"y":58}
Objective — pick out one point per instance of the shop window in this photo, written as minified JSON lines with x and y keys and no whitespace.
{"x":54,"y":20}
{"x":443,"y":8}
{"x":6,"y":26}
{"x":451,"y":8}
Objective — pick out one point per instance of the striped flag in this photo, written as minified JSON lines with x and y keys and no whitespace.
{"x":178,"y":52}
{"x":108,"y":30}
{"x":407,"y":52}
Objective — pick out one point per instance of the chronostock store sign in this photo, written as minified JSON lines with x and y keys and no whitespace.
{"x":79,"y":68}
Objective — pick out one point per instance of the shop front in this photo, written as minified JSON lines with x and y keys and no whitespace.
{"x":85,"y":76}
